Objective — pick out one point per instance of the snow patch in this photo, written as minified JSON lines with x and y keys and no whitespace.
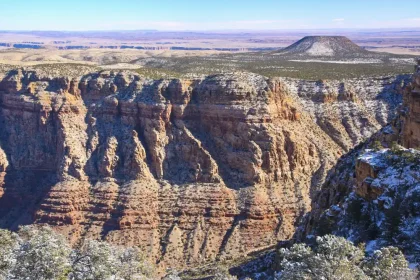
{"x":320,"y":49}
{"x":354,"y":61}
{"x":371,"y":246}
{"x":410,"y":61}
{"x":374,"y":158}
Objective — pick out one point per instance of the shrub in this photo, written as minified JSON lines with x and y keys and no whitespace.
{"x":337,"y":258}
{"x":395,"y":148}
{"x":40,"y":253}
{"x":100,"y":260}
{"x":8,"y":245}
{"x":377,"y":145}
{"x":387,"y":264}
{"x":223,"y":274}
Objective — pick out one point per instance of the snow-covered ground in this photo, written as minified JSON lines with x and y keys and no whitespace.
{"x":392,"y":218}
{"x":410,"y":61}
{"x":320,"y":49}
{"x":353,"y":61}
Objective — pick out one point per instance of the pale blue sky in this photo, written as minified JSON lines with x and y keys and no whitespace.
{"x":206,"y":14}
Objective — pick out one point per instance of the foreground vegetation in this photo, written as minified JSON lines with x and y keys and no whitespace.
{"x":337,"y":258}
{"x":40,"y":253}
{"x":37,"y":254}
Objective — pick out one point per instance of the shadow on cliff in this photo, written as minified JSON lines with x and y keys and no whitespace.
{"x":201,"y":131}
{"x":23,"y":188}
{"x":114,"y":124}
{"x":22,"y":196}
{"x":391,"y":96}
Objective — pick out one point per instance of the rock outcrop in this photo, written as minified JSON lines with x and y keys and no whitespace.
{"x":191,"y":170}
{"x":411,"y":115}
{"x":372,"y":194}
{"x":3,"y":166}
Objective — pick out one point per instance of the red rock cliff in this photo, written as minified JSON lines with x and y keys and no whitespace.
{"x":192,"y":170}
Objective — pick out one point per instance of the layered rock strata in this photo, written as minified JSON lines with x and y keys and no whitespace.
{"x":350,"y":110}
{"x":411,"y":114}
{"x":191,"y":170}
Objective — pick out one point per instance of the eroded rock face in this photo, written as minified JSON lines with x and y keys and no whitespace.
{"x":191,"y":170}
{"x":3,"y":161}
{"x":372,"y":193}
{"x":3,"y":166}
{"x":367,"y":170}
{"x":411,"y":117}
{"x":351,"y":110}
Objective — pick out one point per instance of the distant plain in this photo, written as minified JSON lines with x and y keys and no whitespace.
{"x":174,"y":54}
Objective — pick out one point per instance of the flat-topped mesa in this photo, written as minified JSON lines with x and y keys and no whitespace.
{"x":193,"y":170}
{"x":336,"y":46}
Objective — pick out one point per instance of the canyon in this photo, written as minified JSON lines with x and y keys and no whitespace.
{"x":209,"y":140}
{"x":192,"y":170}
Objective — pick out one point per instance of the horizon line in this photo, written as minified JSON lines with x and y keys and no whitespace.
{"x":216,"y":30}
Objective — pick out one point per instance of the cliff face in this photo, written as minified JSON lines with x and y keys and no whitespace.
{"x":192,"y":170}
{"x":411,"y":115}
{"x":372,"y":194}
{"x":351,"y":110}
